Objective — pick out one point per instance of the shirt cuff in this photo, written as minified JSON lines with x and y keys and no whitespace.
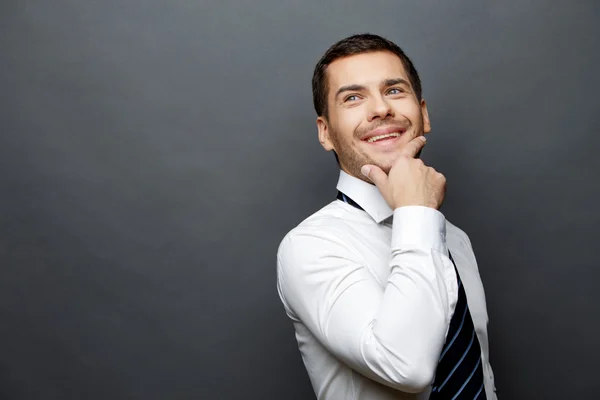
{"x":419,"y":226}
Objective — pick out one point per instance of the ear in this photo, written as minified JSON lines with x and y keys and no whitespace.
{"x":324,"y":137}
{"x":426,"y":123}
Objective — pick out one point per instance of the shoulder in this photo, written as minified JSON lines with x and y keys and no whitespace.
{"x":312,"y":253}
{"x":325,"y":229}
{"x":460,"y":241}
{"x":453,"y":230}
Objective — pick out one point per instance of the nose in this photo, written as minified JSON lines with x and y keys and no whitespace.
{"x":379,"y":107}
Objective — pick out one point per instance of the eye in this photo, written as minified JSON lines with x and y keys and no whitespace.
{"x":395,"y":91}
{"x":352,"y":97}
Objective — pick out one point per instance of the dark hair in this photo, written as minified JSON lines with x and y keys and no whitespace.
{"x":352,"y":45}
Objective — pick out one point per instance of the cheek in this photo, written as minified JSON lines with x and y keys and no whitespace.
{"x":349,"y":121}
{"x":346,"y":127}
{"x":415,"y":113}
{"x":408,"y":107}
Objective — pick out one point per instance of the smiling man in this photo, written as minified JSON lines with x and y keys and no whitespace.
{"x":384,"y":293}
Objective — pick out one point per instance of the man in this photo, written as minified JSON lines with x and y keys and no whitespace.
{"x":384,"y":293}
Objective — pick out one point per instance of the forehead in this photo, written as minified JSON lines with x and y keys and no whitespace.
{"x":364,"y":69}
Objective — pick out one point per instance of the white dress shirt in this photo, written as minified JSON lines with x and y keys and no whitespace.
{"x":371,"y":294}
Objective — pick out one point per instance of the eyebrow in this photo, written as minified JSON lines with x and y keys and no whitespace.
{"x":384,"y":83}
{"x":349,"y":88}
{"x":395,"y":81}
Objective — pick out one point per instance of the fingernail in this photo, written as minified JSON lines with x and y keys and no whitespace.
{"x":365,"y":170}
{"x":423,"y":138}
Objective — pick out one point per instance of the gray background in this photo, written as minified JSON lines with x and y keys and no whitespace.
{"x":153,"y":154}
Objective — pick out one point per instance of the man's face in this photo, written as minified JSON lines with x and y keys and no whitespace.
{"x":372,"y":111}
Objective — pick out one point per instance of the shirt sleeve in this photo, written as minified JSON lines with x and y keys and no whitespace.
{"x":393,"y":335}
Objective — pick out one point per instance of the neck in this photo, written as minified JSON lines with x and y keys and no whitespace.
{"x":359,"y":176}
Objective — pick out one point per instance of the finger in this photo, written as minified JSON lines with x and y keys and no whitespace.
{"x":375,"y":174}
{"x":414,"y":147}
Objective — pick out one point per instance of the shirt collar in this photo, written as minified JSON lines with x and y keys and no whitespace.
{"x":366,"y":195}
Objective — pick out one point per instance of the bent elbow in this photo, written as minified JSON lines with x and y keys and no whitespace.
{"x":408,"y":377}
{"x":418,"y":379}
{"x":415,"y":377}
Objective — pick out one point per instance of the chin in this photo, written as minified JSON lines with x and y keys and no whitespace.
{"x":386,"y":169}
{"x":385,"y":166}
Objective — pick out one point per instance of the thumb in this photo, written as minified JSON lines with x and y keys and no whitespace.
{"x":375,"y":174}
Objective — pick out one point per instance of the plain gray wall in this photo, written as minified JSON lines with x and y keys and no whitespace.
{"x":153,"y":154}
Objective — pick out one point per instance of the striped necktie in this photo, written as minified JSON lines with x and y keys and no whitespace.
{"x":459,"y":374}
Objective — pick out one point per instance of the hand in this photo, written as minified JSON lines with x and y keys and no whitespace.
{"x":410,"y":181}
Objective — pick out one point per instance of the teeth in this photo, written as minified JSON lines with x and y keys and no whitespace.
{"x":376,"y":138}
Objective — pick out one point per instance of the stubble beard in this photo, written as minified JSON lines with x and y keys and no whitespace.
{"x":352,"y":159}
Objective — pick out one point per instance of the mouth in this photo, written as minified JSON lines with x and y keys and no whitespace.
{"x":384,"y":138}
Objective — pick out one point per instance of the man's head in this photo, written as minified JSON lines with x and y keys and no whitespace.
{"x":367,"y":95}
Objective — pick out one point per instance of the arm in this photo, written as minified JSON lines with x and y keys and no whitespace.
{"x":392,"y":335}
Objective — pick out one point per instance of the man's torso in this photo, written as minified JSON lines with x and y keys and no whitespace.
{"x":331,"y":378}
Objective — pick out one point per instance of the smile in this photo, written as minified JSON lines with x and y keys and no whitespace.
{"x":383,"y":137}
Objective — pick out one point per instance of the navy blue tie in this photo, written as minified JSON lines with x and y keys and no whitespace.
{"x":459,"y":374}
